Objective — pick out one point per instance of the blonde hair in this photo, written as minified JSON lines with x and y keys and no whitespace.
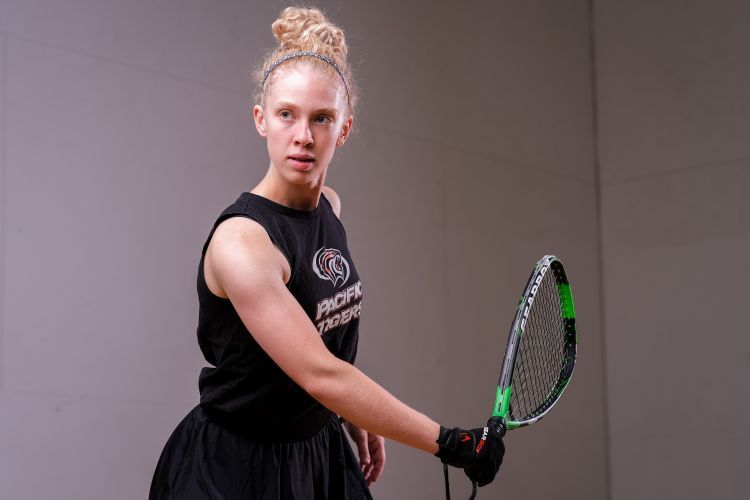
{"x":300,"y":30}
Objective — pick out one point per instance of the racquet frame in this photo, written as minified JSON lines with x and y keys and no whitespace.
{"x":548,"y":263}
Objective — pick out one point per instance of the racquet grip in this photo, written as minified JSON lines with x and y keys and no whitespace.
{"x":496,"y":424}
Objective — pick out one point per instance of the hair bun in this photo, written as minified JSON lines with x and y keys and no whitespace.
{"x":300,"y":29}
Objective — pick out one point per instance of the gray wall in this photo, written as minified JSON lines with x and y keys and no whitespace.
{"x":473,"y":119}
{"x":125,"y":131}
{"x":674,"y":124}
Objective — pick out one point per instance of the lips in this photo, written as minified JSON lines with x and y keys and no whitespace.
{"x":302,"y":158}
{"x":302,"y":162}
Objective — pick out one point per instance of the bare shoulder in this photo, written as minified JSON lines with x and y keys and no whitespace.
{"x":241,"y":247}
{"x":237,"y":226}
{"x":238,"y":235}
{"x":333,"y":198}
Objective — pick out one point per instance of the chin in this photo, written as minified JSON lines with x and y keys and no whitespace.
{"x":302,"y":178}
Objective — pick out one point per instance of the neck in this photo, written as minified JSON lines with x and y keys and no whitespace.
{"x":297,"y":196}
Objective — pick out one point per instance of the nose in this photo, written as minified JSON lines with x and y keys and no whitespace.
{"x":303,"y":135}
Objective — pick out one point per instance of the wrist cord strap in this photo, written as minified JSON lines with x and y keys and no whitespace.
{"x":448,"y":488}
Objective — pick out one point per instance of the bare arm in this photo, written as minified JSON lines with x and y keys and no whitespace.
{"x":243,"y":264}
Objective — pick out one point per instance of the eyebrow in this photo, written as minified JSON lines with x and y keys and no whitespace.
{"x":286,"y":104}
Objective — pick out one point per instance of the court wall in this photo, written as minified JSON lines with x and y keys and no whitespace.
{"x":674,"y":122}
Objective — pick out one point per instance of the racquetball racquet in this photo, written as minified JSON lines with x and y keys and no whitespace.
{"x":541,"y":350}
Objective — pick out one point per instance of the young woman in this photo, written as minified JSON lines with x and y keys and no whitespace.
{"x":279,"y":313}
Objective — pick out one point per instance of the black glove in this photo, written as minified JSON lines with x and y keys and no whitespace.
{"x":478,"y":451}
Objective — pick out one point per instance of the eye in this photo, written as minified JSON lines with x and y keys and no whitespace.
{"x":285,"y":115}
{"x":325,"y":119}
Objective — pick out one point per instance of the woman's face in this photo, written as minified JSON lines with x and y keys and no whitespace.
{"x":304,"y":118}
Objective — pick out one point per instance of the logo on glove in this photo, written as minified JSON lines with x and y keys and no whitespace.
{"x":482,"y":441}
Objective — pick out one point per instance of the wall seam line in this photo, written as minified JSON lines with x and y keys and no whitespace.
{"x":3,"y":191}
{"x":600,"y":246}
{"x":445,"y":298}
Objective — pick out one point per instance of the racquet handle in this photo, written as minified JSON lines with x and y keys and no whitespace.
{"x":496,"y":424}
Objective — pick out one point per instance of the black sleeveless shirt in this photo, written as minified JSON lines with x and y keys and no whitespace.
{"x":245,"y":387}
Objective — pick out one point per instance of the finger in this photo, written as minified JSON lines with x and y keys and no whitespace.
{"x":367,"y":471}
{"x":363,"y":450}
{"x":364,"y":461}
{"x":377,"y":470}
{"x":378,"y":459}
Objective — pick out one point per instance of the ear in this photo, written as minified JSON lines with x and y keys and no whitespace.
{"x":259,"y":119}
{"x":346,"y":128}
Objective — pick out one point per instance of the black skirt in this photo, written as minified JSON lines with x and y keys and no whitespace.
{"x":204,"y":459}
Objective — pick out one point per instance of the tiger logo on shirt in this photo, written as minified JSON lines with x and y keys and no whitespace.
{"x":330,"y":265}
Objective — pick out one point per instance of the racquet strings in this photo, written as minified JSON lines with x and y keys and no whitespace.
{"x":541,"y":356}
